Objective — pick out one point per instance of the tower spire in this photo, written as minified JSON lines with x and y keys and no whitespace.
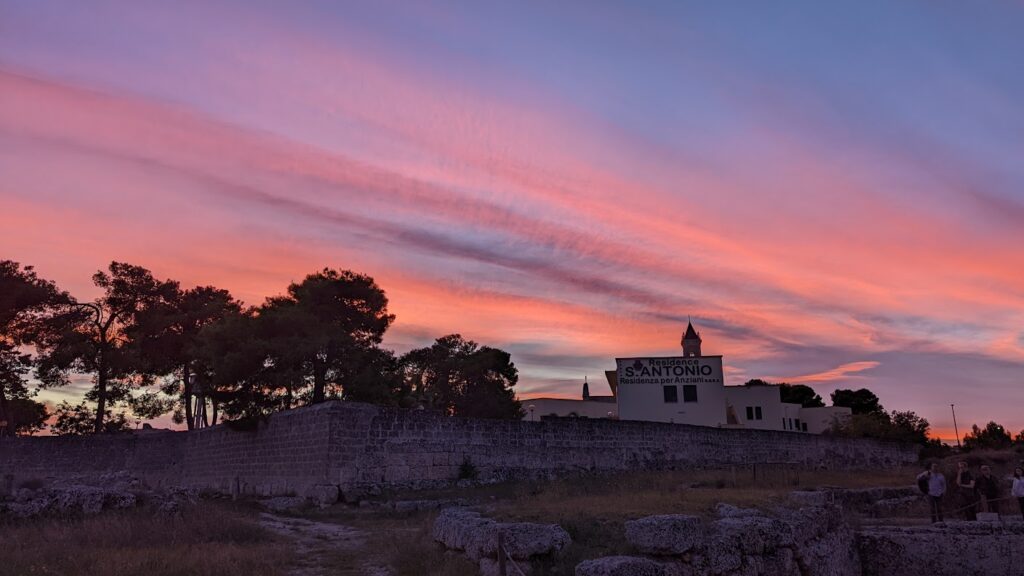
{"x":691,"y":340}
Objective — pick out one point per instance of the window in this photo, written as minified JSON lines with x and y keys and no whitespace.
{"x":757,"y":412}
{"x":805,"y":427}
{"x":750,"y":412}
{"x":671,"y":394}
{"x":798,"y":424}
{"x":689,"y":392}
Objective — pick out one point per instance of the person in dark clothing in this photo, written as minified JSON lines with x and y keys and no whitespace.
{"x":988,"y":490}
{"x":967,"y":496}
{"x":936,"y":488}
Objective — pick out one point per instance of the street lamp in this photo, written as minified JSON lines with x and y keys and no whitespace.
{"x":957,"y":431}
{"x":531,"y":407}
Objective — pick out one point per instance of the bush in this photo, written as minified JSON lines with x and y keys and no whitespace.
{"x":467,"y":470}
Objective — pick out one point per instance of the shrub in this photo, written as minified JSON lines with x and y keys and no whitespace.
{"x":467,"y":470}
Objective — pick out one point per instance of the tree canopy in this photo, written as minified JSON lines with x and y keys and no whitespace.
{"x":151,"y":347}
{"x":462,"y":378}
{"x":25,"y":301}
{"x":993,"y":436}
{"x":800,"y":394}
{"x":862,"y":401}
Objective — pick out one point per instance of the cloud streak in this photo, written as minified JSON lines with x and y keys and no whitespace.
{"x":566,"y":204}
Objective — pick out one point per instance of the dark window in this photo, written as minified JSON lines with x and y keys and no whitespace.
{"x":805,"y":427}
{"x":750,"y":412}
{"x":671,"y":394}
{"x":689,"y":393}
{"x":757,"y":412}
{"x":798,"y":424}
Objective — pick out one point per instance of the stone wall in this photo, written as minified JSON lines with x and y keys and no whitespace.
{"x":360,"y":447}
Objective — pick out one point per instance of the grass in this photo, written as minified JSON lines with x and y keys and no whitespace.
{"x":592,"y":509}
{"x":208,"y":540}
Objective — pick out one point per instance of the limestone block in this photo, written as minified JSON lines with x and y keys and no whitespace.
{"x":489,"y":567}
{"x":283,"y":503}
{"x":620,"y":566}
{"x":324,"y":495}
{"x":668,"y":534}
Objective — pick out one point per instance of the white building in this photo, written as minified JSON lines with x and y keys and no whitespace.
{"x":687,"y":389}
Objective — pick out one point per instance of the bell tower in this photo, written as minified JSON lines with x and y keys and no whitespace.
{"x":691,"y":341}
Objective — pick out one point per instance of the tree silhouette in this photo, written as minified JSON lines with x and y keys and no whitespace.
{"x":93,"y":337}
{"x":992,"y":436}
{"x":462,"y":378}
{"x":165,"y":337}
{"x":331,"y":320}
{"x":25,"y":302}
{"x":800,"y":394}
{"x":862,"y":401}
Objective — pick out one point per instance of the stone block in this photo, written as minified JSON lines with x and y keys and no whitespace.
{"x":669,"y":534}
{"x":620,"y":566}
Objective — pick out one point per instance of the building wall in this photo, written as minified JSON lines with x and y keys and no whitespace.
{"x":359,"y":447}
{"x":820,"y":419}
{"x":764,"y":397}
{"x":792,"y":420}
{"x":646,"y":401}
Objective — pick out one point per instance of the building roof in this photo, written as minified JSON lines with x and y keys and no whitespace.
{"x":691,"y":334}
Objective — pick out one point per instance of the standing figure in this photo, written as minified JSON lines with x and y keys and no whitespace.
{"x":967,"y":496}
{"x":936,"y":488}
{"x":1018,"y":487}
{"x":988,"y":490}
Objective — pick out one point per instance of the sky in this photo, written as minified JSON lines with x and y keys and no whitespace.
{"x":832,"y":191}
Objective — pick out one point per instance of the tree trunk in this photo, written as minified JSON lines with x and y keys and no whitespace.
{"x":101,"y":396}
{"x":7,"y":430}
{"x":319,"y":380}
{"x":213,"y":407}
{"x":186,"y":395}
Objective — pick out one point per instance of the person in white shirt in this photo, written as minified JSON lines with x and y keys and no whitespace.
{"x":936,"y":488}
{"x":1018,"y":487}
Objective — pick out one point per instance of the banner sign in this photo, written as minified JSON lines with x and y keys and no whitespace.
{"x":670,"y":370}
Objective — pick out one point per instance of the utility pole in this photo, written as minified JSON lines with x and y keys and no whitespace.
{"x":957,"y":431}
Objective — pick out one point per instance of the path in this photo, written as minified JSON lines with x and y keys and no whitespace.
{"x":323,"y":548}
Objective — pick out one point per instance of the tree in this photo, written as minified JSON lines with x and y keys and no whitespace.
{"x":800,"y":394}
{"x":331,"y":320}
{"x":79,"y":419}
{"x":235,"y":365}
{"x":993,"y":437}
{"x":166,"y":337}
{"x":898,"y":426}
{"x":25,"y":300}
{"x":21,"y":414}
{"x":93,"y":337}
{"x":907,"y":426}
{"x":462,"y":378}
{"x":861,"y":401}
{"x":379,"y":382}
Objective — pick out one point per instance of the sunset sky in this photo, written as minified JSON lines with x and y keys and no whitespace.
{"x":833,"y":191}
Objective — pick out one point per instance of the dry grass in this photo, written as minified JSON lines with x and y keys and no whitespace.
{"x":209,"y":540}
{"x":591,"y":509}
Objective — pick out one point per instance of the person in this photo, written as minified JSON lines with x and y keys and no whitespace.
{"x":967,"y":496}
{"x":936,"y":488}
{"x":1018,"y":487}
{"x":988,"y":490}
